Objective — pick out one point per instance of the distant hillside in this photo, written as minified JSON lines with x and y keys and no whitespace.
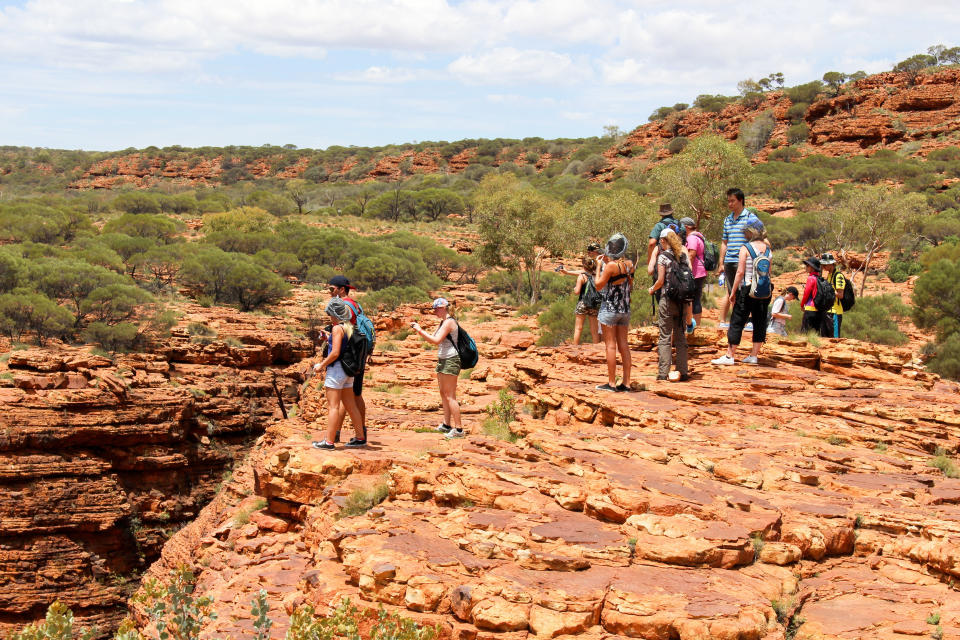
{"x":910,"y":112}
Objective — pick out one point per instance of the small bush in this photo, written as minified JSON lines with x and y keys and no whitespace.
{"x":362,"y":500}
{"x":501,"y":413}
{"x":901,"y":270}
{"x":874,"y":319}
{"x":389,"y":298}
{"x":557,"y":321}
{"x":944,"y":463}
{"x":678,"y":144}
{"x":798,"y":133}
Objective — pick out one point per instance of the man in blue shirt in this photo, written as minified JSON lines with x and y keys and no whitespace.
{"x":732,"y":240}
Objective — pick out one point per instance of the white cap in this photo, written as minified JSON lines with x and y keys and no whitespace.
{"x":665,"y":233}
{"x":440,"y":302}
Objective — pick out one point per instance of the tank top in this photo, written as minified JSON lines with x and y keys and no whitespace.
{"x":615,"y":297}
{"x":446,"y":349}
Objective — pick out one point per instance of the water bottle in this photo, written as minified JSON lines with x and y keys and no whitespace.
{"x":721,"y":280}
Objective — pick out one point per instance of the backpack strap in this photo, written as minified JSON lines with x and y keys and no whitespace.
{"x":751,"y":250}
{"x":357,"y":309}
{"x":450,"y":335}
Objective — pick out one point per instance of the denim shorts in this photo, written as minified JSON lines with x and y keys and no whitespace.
{"x":336,"y":378}
{"x":611,"y":319}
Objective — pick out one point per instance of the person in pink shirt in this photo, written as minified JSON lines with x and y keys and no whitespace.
{"x":695,"y":246}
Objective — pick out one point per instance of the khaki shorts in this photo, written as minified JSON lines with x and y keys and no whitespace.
{"x":449,"y":366}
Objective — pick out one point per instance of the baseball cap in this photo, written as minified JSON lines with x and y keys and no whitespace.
{"x":341,"y":281}
{"x":440,"y":302}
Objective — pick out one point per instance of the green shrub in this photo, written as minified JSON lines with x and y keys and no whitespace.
{"x":22,"y":311}
{"x":874,"y":319}
{"x":783,"y":262}
{"x":901,"y":270}
{"x":785,"y":154}
{"x":113,"y":338}
{"x":943,"y":462}
{"x":755,"y":134}
{"x":798,"y":133}
{"x":500,"y":414}
{"x":946,"y":359}
{"x":389,"y":298}
{"x":362,"y":500}
{"x":556,"y":322}
{"x":805,"y":92}
{"x":936,"y":296}
{"x":797,"y":111}
{"x":678,"y":144}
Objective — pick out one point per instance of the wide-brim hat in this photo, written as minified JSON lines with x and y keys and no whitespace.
{"x":813,"y":262}
{"x":666,"y":210}
{"x":616,"y":246}
{"x":827,"y":258}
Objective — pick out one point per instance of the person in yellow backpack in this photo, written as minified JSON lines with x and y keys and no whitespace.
{"x":834,"y":317}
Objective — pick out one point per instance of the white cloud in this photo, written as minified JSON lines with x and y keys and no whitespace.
{"x":510,"y":66}
{"x":381,"y":75}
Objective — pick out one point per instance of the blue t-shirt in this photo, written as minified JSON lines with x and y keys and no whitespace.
{"x":733,"y":234}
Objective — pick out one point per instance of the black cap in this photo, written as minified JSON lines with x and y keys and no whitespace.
{"x":341,"y":281}
{"x":793,"y":290}
{"x":813,"y":262}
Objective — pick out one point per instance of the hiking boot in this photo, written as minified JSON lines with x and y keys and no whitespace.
{"x":723,"y":360}
{"x":683,"y":377}
{"x":750,"y":360}
{"x":606,"y":387}
{"x":443,"y":427}
{"x":663,"y":377}
{"x":454,"y":433}
{"x":356,"y":442}
{"x":323,"y":444}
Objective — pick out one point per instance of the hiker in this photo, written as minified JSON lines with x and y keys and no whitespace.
{"x":667,"y":221}
{"x":338,"y":385}
{"x":696,"y":245}
{"x":614,"y":280}
{"x":752,"y":290}
{"x":812,"y":319}
{"x":588,"y":301}
{"x":670,"y":316}
{"x":833,"y":317}
{"x":779,"y":311}
{"x":731,"y":241}
{"x":340,"y":287}
{"x":448,"y":366}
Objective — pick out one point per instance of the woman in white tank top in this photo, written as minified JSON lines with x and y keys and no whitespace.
{"x":448,"y":366}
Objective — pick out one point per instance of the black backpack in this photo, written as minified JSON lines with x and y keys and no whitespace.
{"x":848,"y":298}
{"x":466,"y":348}
{"x":679,"y":284}
{"x":711,"y":254}
{"x":591,"y":297}
{"x":826,"y":297}
{"x":353,"y":352}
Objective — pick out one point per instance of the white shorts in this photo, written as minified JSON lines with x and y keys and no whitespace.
{"x":336,"y":378}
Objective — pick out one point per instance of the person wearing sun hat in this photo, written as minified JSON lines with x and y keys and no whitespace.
{"x":614,"y":280}
{"x":448,"y":365}
{"x":833,"y":319}
{"x":812,"y":319}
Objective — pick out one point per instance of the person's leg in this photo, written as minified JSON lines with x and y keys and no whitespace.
{"x":839,"y":321}
{"x":729,"y":274}
{"x":447,"y":413}
{"x":698,"y":298}
{"x":353,"y":410}
{"x":738,"y":318}
{"x":826,"y":325}
{"x":664,"y":347}
{"x":624,"y":346}
{"x":334,"y":413}
{"x":759,"y":315}
{"x":358,"y":393}
{"x":594,"y":329}
{"x":577,"y":328}
{"x":680,"y":342}
{"x":610,"y":343}
{"x":448,"y":390}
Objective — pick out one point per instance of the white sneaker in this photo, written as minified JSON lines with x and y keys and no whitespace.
{"x":454,"y":433}
{"x":442,"y":428}
{"x":723,"y":325}
{"x":723,"y":360}
{"x":748,"y":326}
{"x":750,"y":360}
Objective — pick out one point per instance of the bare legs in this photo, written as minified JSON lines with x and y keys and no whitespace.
{"x":615,"y":339}
{"x":448,"y":396}
{"x":335,"y":413}
{"x":578,"y":328}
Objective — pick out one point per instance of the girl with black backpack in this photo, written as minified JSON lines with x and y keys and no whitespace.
{"x":337,"y":382}
{"x":673,"y":259}
{"x":588,"y":299}
{"x":448,"y":366}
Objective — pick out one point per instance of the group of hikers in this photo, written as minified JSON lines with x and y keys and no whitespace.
{"x":347,"y":343}
{"x":679,"y":260}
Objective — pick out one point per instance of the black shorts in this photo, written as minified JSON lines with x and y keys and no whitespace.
{"x":358,"y":379}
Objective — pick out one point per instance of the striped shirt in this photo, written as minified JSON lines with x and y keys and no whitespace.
{"x":733,"y":234}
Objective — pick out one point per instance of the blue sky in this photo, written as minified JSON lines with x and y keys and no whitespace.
{"x":111,"y":74}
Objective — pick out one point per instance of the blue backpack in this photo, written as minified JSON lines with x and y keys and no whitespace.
{"x":364,"y":325}
{"x":761,"y":287}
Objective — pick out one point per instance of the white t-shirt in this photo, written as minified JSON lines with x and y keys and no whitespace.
{"x":779,"y":306}
{"x":446,"y":349}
